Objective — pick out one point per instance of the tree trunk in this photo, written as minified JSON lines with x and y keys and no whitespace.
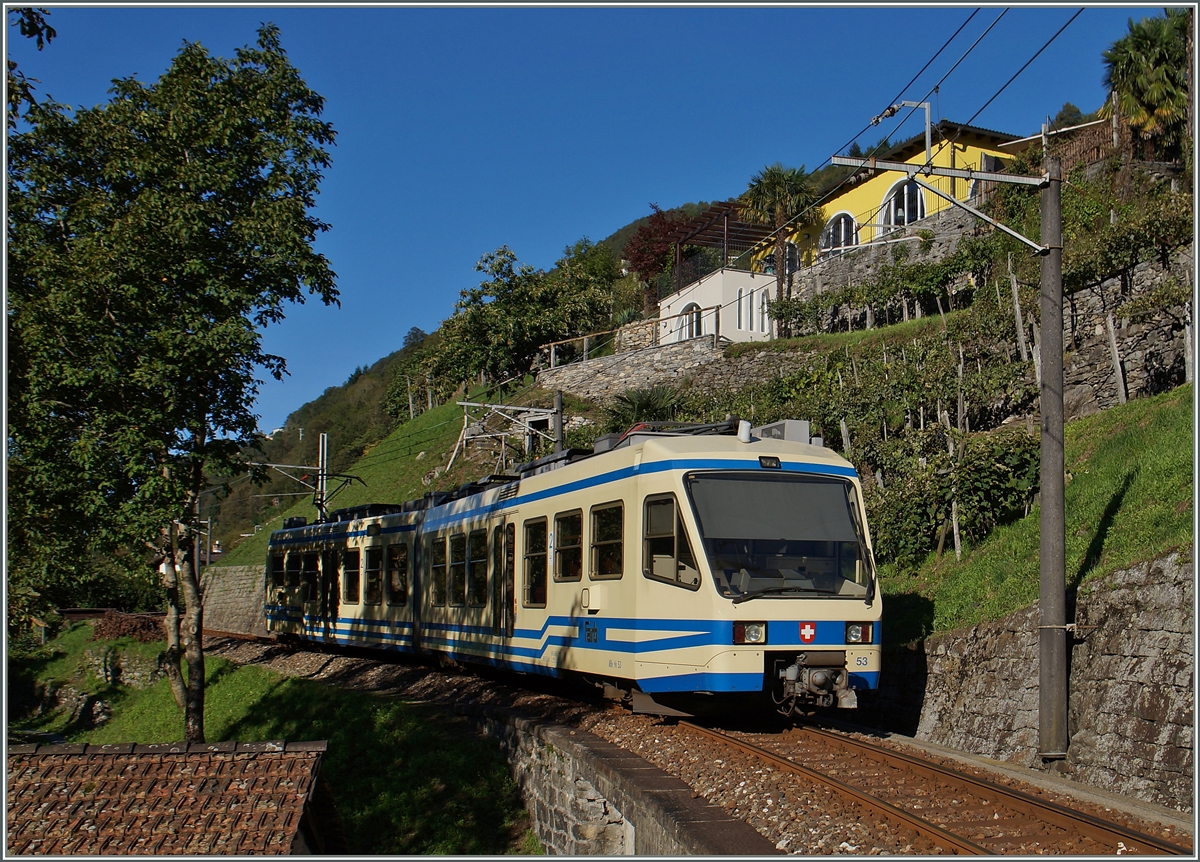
{"x":171,"y":587}
{"x":780,"y":265}
{"x":193,"y":640}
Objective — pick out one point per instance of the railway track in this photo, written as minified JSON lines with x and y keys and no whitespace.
{"x":955,"y":812}
{"x":810,"y":791}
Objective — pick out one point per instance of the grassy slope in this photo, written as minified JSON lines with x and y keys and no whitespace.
{"x":406,"y":779}
{"x":392,"y":471}
{"x":1129,"y":497}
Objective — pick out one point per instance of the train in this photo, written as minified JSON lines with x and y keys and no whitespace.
{"x":676,"y":566}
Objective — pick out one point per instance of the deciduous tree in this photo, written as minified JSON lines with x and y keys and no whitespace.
{"x":150,"y":240}
{"x":649,"y":253}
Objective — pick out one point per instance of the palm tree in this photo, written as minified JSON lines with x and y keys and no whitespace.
{"x":776,"y":195}
{"x":1146,"y":74}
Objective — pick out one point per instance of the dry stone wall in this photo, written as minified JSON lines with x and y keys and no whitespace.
{"x":1131,"y":689}
{"x":233,"y":599}
{"x":1152,"y":352}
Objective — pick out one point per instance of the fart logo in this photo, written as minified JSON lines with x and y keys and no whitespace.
{"x":808,"y":632}
{"x":591,"y":633}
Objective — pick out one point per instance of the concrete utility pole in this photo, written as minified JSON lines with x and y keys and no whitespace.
{"x":1052,"y":641}
{"x":1052,"y":631}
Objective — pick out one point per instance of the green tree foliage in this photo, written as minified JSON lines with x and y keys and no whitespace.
{"x":1147,"y":72}
{"x":776,"y":196}
{"x":150,"y":239}
{"x":1069,"y":115}
{"x":498,"y":327}
{"x":31,"y":22}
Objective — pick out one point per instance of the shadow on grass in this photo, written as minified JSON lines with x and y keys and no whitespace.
{"x":1096,"y":546}
{"x":406,"y":779}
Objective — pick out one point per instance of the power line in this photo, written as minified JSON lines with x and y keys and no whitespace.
{"x":1026,"y":66}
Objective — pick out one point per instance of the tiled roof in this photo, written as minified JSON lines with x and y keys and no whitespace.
{"x":226,"y":797}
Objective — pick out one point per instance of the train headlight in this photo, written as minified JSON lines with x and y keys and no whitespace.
{"x":858,"y":633}
{"x":749,"y":633}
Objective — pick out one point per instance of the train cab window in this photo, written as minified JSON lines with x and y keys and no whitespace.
{"x":309,"y":573}
{"x":568,"y":546}
{"x":458,"y":570}
{"x":350,"y":561}
{"x":477,"y":568}
{"x":373,"y":577}
{"x":397,"y":574}
{"x":276,"y":571}
{"x":667,"y":551}
{"x":534,"y":588}
{"x":437,"y":570}
{"x":293,"y":570}
{"x":608,"y":540}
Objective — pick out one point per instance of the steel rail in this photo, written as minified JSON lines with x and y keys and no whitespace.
{"x":937,"y":834}
{"x":1051,"y":812}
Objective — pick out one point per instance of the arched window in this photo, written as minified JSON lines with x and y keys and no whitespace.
{"x":904,"y":204}
{"x":762,"y":311}
{"x":739,"y":310}
{"x":840,"y":232}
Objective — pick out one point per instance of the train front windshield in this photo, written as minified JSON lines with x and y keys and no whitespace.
{"x":781,"y":534}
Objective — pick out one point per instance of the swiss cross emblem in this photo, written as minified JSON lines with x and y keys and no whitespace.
{"x":808,"y":632}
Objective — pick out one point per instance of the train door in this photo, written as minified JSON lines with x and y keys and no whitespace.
{"x":504,"y":609}
{"x":328,"y":594}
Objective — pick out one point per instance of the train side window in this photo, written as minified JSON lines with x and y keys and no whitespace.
{"x":437,"y":566}
{"x":458,"y":570}
{"x":497,"y":579}
{"x":535,"y":564}
{"x":276,"y":571}
{"x":477,"y":560}
{"x":308,"y":576}
{"x":568,"y":546}
{"x":397,"y":574}
{"x":373,"y":577}
{"x":667,"y":553}
{"x":293,"y":569}
{"x":350,"y":561}
{"x":608,"y":541}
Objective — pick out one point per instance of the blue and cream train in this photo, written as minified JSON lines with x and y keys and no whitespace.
{"x":680,"y":566}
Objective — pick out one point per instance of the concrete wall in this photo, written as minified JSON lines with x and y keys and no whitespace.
{"x":1131,"y":694}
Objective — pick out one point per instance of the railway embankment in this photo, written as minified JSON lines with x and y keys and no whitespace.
{"x":972,"y":690}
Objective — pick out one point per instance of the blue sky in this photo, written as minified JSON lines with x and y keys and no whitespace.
{"x":464,"y":129}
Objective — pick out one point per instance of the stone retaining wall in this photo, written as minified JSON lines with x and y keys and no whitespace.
{"x":1152,"y":352}
{"x":1131,"y":688}
{"x":233,"y":599}
{"x":591,"y":797}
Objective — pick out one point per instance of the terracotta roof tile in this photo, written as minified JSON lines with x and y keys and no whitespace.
{"x":159,"y":799}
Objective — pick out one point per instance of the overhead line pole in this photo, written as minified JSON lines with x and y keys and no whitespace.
{"x":1053,"y":738}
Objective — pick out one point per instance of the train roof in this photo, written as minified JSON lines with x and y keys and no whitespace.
{"x":652,"y":441}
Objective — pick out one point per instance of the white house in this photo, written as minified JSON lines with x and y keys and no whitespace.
{"x":730,"y":303}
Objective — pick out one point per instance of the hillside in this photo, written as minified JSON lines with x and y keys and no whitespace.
{"x":351,"y":414}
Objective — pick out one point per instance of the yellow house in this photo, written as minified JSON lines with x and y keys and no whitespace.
{"x":866,"y":206}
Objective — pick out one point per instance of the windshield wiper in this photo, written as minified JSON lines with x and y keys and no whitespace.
{"x":754,"y":595}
